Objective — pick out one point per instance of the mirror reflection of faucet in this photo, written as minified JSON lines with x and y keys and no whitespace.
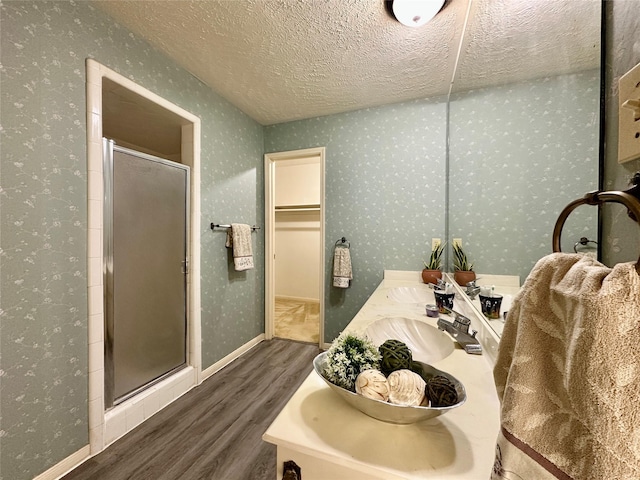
{"x":439,"y":285}
{"x":472,"y":289}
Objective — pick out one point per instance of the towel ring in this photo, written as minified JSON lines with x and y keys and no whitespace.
{"x":597,"y":198}
{"x":343,"y":243}
{"x":584,"y":241}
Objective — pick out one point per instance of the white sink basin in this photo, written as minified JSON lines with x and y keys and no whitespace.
{"x":427,"y":343}
{"x":411,"y":295}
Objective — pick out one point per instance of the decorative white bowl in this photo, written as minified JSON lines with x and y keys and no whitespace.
{"x":388,"y":412}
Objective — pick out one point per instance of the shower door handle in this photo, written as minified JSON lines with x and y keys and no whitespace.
{"x":185,"y":266}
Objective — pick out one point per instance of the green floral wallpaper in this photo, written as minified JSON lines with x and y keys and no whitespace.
{"x":519,"y":154}
{"x":385,"y":176}
{"x":385,"y":190}
{"x":43,"y":218}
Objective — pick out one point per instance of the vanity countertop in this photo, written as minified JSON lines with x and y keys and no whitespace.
{"x":318,"y":425}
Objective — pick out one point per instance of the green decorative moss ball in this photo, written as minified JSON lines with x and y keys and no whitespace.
{"x":441,"y":391}
{"x":395,"y":356}
{"x":417,"y":368}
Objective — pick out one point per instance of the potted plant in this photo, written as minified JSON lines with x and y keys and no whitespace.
{"x":432,"y":272}
{"x":463,"y":268}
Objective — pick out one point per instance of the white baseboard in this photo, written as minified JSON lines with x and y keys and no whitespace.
{"x":206,"y":373}
{"x":65,"y":466}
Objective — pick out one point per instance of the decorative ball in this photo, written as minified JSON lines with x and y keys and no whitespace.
{"x":441,"y":391}
{"x":395,"y":356}
{"x":417,"y":368}
{"x":406,"y":388}
{"x":373,"y":384}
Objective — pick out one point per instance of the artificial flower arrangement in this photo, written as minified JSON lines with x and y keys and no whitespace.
{"x":386,"y":373}
{"x":348,"y":356}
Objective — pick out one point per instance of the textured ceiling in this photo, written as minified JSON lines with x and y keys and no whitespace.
{"x":283,"y":60}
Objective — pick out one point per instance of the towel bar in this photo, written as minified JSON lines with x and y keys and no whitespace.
{"x":218,"y":225}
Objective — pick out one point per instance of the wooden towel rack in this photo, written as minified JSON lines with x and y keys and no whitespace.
{"x":629,"y":198}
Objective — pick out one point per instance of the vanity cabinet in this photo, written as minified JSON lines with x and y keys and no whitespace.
{"x":328,"y":438}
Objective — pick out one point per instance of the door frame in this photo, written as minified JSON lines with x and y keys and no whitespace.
{"x":270,"y":160}
{"x":105,"y":427}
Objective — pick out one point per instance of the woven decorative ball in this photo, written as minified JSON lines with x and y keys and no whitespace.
{"x":441,"y":391}
{"x":417,"y":368}
{"x":373,"y":384}
{"x":395,"y":356}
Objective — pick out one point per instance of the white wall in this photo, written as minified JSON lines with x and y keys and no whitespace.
{"x":297,"y":263}
{"x":298,"y":182}
{"x":297,"y":232}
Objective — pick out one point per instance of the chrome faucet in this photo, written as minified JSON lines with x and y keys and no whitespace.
{"x":472,"y":289}
{"x":459,"y":330}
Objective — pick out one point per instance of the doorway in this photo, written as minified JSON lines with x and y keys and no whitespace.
{"x":294,"y":211}
{"x":139,"y":119}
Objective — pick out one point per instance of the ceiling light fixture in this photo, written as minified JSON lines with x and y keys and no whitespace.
{"x":415,"y":13}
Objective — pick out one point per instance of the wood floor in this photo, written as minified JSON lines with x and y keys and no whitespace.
{"x":214,"y":432}
{"x":297,"y":319}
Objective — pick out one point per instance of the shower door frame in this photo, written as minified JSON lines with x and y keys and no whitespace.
{"x":110,"y":148}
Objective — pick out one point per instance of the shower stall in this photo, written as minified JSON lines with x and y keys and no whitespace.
{"x":146,"y":228}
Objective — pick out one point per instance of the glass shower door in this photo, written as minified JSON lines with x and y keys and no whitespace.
{"x":146,"y":287}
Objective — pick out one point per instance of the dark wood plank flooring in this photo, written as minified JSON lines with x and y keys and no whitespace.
{"x":214,"y":431}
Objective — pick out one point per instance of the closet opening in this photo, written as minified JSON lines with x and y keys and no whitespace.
{"x":295,"y":245}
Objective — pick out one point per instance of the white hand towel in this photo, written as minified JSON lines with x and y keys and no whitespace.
{"x":239,"y":238}
{"x":342,"y":273}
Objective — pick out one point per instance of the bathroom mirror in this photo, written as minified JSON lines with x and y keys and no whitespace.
{"x":521,"y":150}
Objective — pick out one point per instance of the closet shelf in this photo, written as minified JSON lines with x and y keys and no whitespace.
{"x":298,"y":208}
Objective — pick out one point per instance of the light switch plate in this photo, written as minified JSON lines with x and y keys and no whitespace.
{"x":629,"y":115}
{"x":457,"y":241}
{"x":435,"y":242}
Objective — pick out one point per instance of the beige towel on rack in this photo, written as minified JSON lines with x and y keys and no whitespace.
{"x":239,"y":239}
{"x":568,"y":374}
{"x":342,"y":272}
